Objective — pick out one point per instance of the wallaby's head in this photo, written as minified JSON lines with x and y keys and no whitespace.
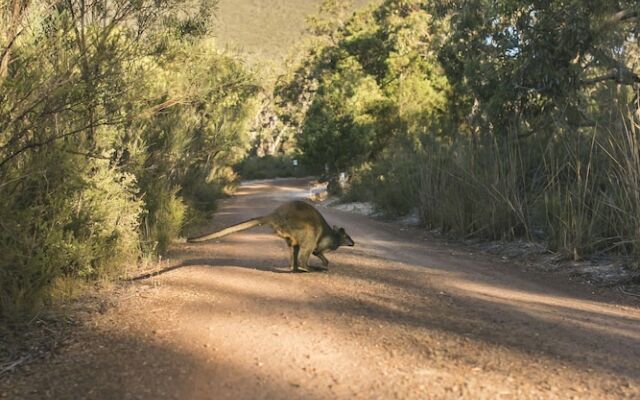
{"x":345,"y":240}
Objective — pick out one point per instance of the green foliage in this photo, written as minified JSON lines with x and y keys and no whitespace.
{"x":499,"y":119}
{"x":107,"y":141}
{"x":591,"y":199}
{"x":391,"y":183}
{"x":474,"y":188}
{"x":374,"y":83}
{"x":63,"y":220}
{"x":270,"y":167}
{"x":340,"y":126}
{"x":531,"y":68}
{"x":550,"y":86}
{"x":190,"y":147}
{"x":164,"y":217}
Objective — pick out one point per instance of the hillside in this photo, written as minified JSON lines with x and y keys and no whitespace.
{"x":265,"y":30}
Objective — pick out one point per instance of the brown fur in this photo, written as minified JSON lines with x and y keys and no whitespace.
{"x":303,"y":228}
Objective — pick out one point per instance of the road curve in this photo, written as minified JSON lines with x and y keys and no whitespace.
{"x":396,"y":316}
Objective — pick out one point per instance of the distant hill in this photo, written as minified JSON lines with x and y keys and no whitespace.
{"x":264,"y":30}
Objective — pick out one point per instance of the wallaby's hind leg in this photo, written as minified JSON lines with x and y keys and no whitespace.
{"x":295,"y":249}
{"x":305,"y":253}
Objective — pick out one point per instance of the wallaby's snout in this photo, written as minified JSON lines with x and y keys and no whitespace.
{"x":345,"y":239}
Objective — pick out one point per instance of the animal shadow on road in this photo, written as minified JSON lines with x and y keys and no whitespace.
{"x":221,"y":263}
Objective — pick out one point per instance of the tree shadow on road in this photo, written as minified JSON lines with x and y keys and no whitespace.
{"x":533,"y":327}
{"x":109,"y":365}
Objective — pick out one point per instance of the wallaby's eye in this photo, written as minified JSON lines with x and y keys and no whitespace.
{"x":341,"y":230}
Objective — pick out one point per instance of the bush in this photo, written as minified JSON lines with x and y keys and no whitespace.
{"x":107,"y":143}
{"x":269,"y":167}
{"x":75,"y":220}
{"x":391,"y":184}
{"x":164,"y":218}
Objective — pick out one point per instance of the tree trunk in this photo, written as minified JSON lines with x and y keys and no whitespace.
{"x":18,"y":8}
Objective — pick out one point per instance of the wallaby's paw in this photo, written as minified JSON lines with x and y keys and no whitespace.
{"x":319,"y":269}
{"x":299,"y":270}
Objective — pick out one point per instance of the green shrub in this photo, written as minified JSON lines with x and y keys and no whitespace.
{"x":163,"y":219}
{"x":391,"y":183}
{"x":75,"y":220}
{"x":106,"y":141}
{"x":268,"y":167}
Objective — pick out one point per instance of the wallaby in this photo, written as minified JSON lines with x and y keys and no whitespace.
{"x":301,"y":226}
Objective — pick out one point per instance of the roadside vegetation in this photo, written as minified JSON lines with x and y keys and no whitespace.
{"x":122,"y":123}
{"x":119,"y":124}
{"x":268,"y":166}
{"x":496,"y":119}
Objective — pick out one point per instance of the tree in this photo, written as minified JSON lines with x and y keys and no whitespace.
{"x":526,"y":63}
{"x":108,"y":144}
{"x":375,"y":83}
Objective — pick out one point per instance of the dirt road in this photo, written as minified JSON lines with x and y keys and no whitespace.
{"x":396,"y":316}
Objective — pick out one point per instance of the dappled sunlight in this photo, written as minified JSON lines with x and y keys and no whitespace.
{"x":388,"y":316}
{"x":169,"y":364}
{"x":266,"y":299}
{"x":541,"y":300}
{"x":584,"y":314}
{"x":456,"y":149}
{"x":233,"y":281}
{"x":334,"y":330}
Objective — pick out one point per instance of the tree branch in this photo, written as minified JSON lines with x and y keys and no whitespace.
{"x":621,"y":75}
{"x":34,"y":145}
{"x":87,"y":155}
{"x":624,"y":15}
{"x":13,"y":32}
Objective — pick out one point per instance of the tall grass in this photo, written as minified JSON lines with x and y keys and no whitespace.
{"x":474,"y":189}
{"x":623,"y":175}
{"x":578,"y":190}
{"x":591,"y":201}
{"x":572,"y":203}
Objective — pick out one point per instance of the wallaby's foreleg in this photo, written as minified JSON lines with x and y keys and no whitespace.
{"x":322,"y":258}
{"x":295,"y":249}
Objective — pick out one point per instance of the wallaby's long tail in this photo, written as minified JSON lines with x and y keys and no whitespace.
{"x":227,"y":231}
